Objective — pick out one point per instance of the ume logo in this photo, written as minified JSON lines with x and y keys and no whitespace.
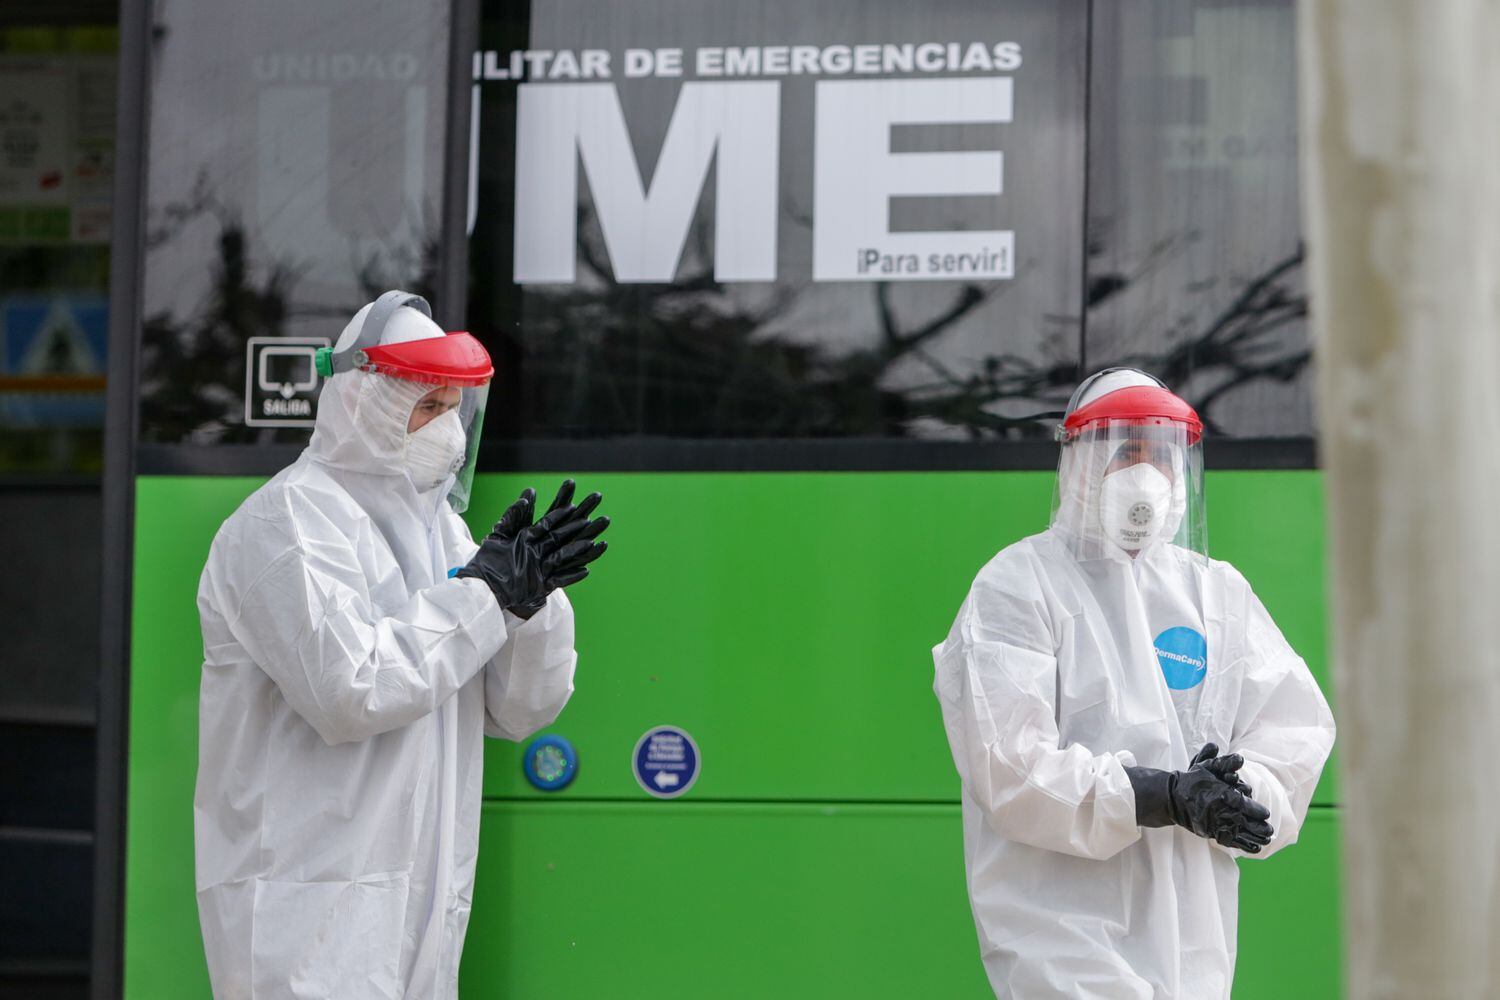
{"x":735,"y":126}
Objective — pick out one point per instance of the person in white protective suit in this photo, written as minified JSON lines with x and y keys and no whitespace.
{"x":358,"y":646}
{"x":1088,"y":683}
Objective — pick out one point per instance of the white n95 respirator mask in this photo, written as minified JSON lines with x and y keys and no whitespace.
{"x":1135,"y":506}
{"x":435,"y":451}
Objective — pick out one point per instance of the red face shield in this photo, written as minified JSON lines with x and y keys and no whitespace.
{"x":457,"y":360}
{"x":1145,"y":406}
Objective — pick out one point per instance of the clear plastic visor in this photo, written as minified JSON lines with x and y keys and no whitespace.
{"x":471,"y":415}
{"x":467,"y":404}
{"x":1125,"y":488}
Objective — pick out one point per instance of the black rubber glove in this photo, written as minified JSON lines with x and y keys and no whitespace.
{"x":569,"y":537}
{"x":560,"y":546}
{"x":1227,"y":768}
{"x":510,"y":564}
{"x":1201,"y":802}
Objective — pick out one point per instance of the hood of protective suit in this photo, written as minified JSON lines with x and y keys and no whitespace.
{"x":361,"y":423}
{"x":360,"y":441}
{"x":362,"y":417}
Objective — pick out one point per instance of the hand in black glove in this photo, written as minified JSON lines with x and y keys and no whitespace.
{"x":1200,"y":801}
{"x":568,"y":536}
{"x":510,"y":565}
{"x":522,"y":562}
{"x":1227,"y":768}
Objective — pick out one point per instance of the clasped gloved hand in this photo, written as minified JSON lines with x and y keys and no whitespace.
{"x":1205,"y":800}
{"x":1227,"y":768}
{"x":522,"y":562}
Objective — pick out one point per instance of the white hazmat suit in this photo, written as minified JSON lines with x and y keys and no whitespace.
{"x":1069,"y":660}
{"x":347,"y":686}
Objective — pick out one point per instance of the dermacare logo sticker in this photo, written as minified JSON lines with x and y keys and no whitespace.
{"x":1183,"y":655}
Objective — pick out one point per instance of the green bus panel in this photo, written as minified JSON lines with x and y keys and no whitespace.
{"x":795,"y":649}
{"x":1270,"y":527}
{"x":175,"y":520}
{"x":785,"y":620}
{"x":741,"y":608}
{"x":683,"y":899}
{"x":1290,"y":924}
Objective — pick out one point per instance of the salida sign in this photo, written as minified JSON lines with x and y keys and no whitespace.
{"x":728,"y":115}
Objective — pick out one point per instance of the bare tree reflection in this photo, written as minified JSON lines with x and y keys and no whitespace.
{"x":692,"y":359}
{"x":599,"y":359}
{"x":1240,"y":344}
{"x":193,"y":367}
{"x":193,"y":361}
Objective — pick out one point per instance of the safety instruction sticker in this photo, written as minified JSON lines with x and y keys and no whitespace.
{"x":666,"y":762}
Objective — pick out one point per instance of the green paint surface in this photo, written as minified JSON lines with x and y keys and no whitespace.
{"x":1290,"y":925}
{"x":683,"y":899}
{"x":175,"y":520}
{"x":1269,"y":525}
{"x":688,"y":899}
{"x":786,"y":621}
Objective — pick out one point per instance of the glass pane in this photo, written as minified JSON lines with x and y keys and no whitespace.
{"x":57,"y":132}
{"x":294,"y":172}
{"x":1195,"y":247}
{"x":774,"y":219}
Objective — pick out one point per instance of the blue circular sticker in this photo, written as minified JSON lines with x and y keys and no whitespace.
{"x":550,"y":763}
{"x":666,"y":762}
{"x":1183,"y":655}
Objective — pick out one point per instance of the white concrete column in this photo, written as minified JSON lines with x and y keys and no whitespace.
{"x":1400,"y":127}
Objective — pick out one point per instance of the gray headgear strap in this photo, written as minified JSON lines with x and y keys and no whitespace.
{"x":373,"y":327}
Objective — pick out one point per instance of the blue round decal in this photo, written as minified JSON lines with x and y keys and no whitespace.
{"x":550,"y":763}
{"x":666,"y":762}
{"x":1183,"y":655}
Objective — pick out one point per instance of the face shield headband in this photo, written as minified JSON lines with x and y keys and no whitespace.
{"x":453,"y":360}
